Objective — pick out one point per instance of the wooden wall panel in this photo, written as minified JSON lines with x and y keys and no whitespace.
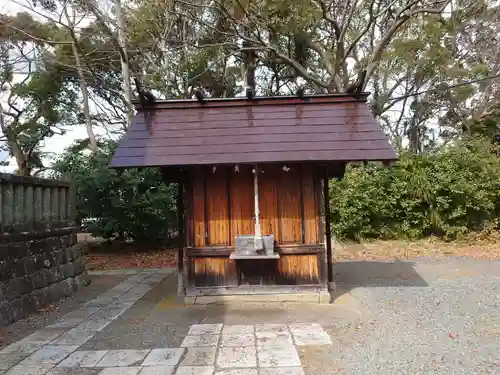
{"x":198,"y":207}
{"x":281,"y":207}
{"x":268,"y":202}
{"x":217,"y":206}
{"x":309,"y":206}
{"x":298,"y":269}
{"x":288,"y":270}
{"x":213,"y":271}
{"x":289,"y":206}
{"x":242,"y":201}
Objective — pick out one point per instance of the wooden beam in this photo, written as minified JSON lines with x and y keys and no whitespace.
{"x":328,"y":234}
{"x":181,"y":238}
{"x":205,"y":204}
{"x":228,"y":197}
{"x":302,"y":219}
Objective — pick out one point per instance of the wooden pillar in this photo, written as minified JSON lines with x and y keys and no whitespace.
{"x":328,"y":233}
{"x":181,"y":237}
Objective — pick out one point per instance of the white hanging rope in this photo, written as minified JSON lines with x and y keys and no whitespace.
{"x":258,"y":244}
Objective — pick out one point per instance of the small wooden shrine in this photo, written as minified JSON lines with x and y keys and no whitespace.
{"x":253,"y":179}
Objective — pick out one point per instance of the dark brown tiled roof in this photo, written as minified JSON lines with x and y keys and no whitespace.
{"x":278,"y":129}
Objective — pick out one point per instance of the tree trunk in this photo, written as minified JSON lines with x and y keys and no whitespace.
{"x":14,"y":149}
{"x":83,"y":84}
{"x":85,"y":96}
{"x":125,"y":67}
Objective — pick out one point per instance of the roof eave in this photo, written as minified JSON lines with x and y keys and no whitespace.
{"x":256,"y":101}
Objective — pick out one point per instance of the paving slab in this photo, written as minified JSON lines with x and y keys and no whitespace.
{"x":40,"y":369}
{"x":49,"y":354}
{"x":238,"y":328}
{"x":194,"y":370}
{"x":282,"y":371}
{"x":154,"y":279}
{"x":115,"y":358}
{"x":96,"y":322}
{"x":75,"y":336}
{"x":200,"y":340}
{"x":43,"y":336}
{"x":73,"y":371}
{"x":97,"y":272}
{"x":272,"y":327}
{"x":237,"y":339}
{"x":239,"y":371}
{"x":121,"y":272}
{"x":9,"y":360}
{"x":277,"y":355}
{"x":134,"y":370}
{"x":163,"y":357}
{"x":236,"y":357}
{"x":199,"y":357}
{"x":75,"y":317}
{"x":83,"y":358}
{"x":205,"y":329}
{"x":21,"y":347}
{"x":273,"y":337}
{"x":309,"y":334}
{"x":157,"y":370}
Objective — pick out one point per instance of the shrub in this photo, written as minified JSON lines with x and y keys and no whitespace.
{"x":135,"y":204}
{"x":447,"y":193}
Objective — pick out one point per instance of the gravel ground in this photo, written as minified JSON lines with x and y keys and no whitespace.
{"x":447,"y":321}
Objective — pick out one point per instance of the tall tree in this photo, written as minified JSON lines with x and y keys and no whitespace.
{"x":38,"y":105}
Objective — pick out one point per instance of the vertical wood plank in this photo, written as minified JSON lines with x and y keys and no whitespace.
{"x":19,"y":204}
{"x":54,"y":200}
{"x":268,"y":202}
{"x":213,"y":271}
{"x":62,"y":204}
{"x":8,"y":200}
{"x":298,"y":269}
{"x":217,"y":207}
{"x":29,"y":205}
{"x":46,"y":205}
{"x":198,"y":203}
{"x":242,"y":202}
{"x":1,"y":212}
{"x":311,"y":217}
{"x":38,"y":204}
{"x":289,"y":205}
{"x":180,"y":247}
{"x":71,"y":200}
{"x":328,"y":237}
{"x":188,"y":209}
{"x":318,"y":190}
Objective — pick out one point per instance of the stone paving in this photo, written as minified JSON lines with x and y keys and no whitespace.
{"x":206,"y":349}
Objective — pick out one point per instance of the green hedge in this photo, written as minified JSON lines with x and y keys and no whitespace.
{"x":135,"y":204}
{"x":447,"y":193}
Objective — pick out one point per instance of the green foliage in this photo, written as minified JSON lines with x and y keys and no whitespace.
{"x":134,"y":204}
{"x":448,"y":193}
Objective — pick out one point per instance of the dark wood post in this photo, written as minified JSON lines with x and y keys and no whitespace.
{"x":181,"y":237}
{"x":328,"y":230}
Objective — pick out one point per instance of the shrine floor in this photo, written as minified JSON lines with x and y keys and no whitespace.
{"x":409,"y":319}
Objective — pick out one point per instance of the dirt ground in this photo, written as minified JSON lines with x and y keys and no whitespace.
{"x":119,"y":256}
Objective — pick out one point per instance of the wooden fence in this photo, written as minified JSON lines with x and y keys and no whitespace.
{"x":35,"y":207}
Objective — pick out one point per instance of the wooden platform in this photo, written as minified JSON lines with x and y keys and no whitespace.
{"x":267,"y":293}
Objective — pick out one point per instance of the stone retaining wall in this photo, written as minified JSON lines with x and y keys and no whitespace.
{"x":38,"y":272}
